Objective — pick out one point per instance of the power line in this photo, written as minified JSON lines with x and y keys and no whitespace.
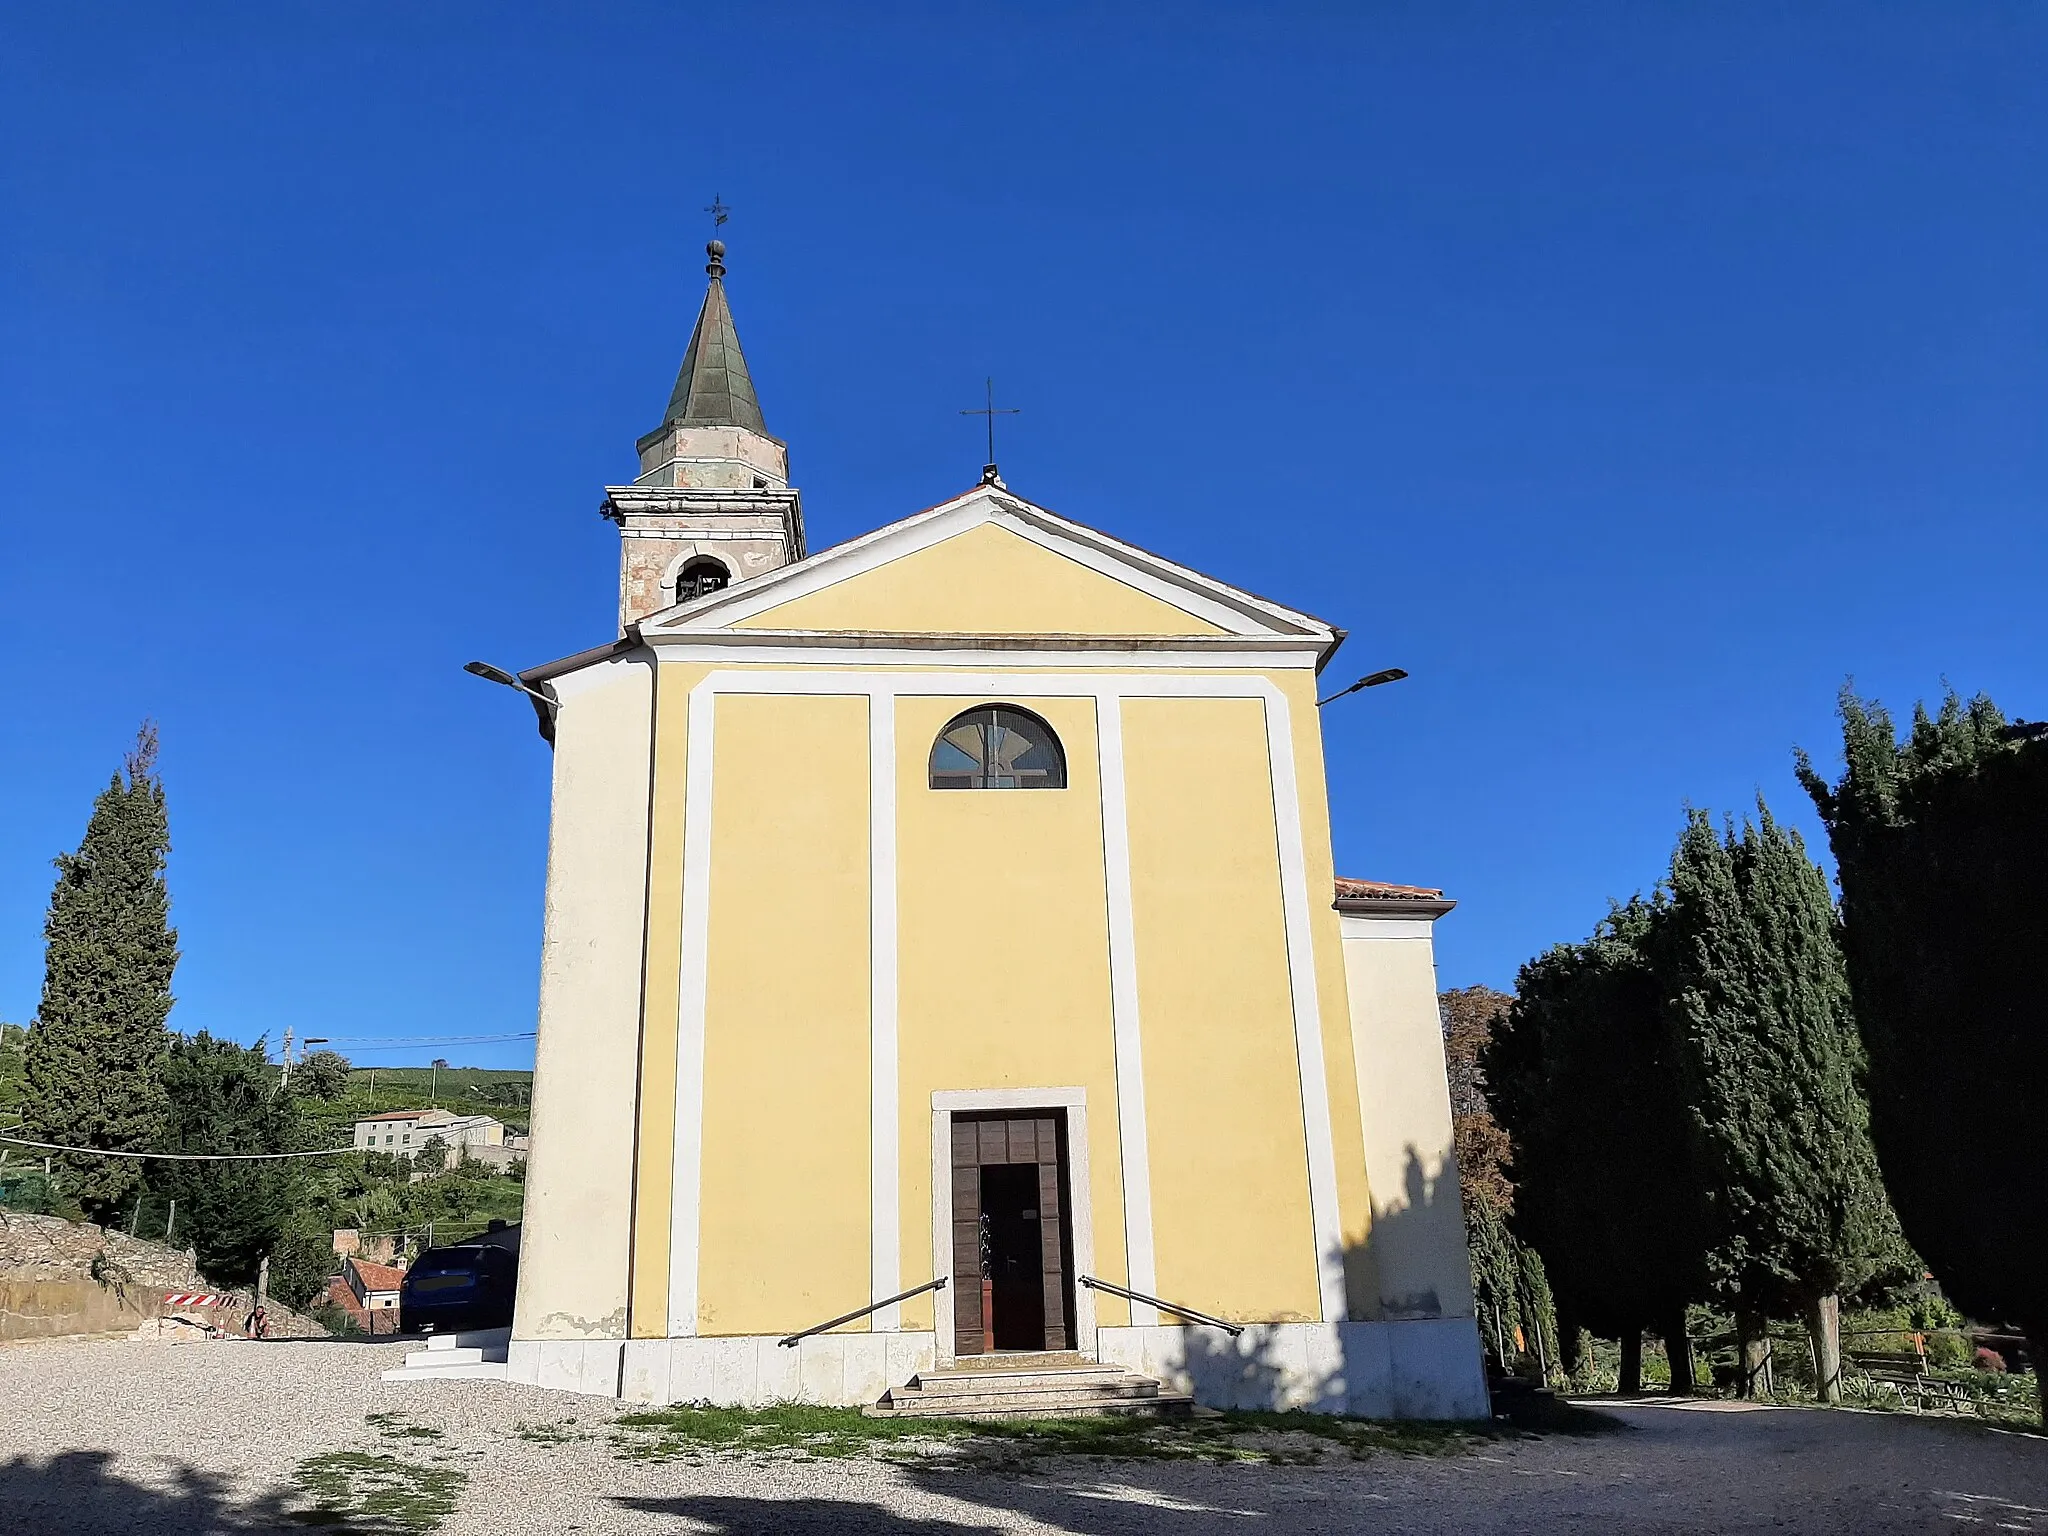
{"x":524,"y":1034}
{"x":355,"y":1051}
{"x":179,"y":1157}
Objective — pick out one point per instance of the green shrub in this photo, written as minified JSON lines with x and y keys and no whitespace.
{"x":299,"y":1269}
{"x":28,"y":1190}
{"x":336,"y":1321}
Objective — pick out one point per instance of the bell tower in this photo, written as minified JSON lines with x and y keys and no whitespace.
{"x":712,"y":505}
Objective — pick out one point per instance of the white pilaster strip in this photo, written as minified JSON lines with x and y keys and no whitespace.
{"x":685,"y":1198}
{"x":884,"y":1182}
{"x":1123,"y":1002}
{"x":1308,"y":1023}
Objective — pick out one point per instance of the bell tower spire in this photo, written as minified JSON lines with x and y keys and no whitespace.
{"x":714,"y":388}
{"x":712,"y":504}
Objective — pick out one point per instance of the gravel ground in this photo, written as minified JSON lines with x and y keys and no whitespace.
{"x":238,"y":1437}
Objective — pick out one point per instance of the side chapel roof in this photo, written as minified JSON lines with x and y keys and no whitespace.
{"x":1385,"y":899}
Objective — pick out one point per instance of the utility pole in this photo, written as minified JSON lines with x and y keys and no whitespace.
{"x":263,"y":1282}
{"x":285,"y":1081}
{"x":171,"y":1225}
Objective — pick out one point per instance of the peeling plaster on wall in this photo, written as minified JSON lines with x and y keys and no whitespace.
{"x":564,"y":1325}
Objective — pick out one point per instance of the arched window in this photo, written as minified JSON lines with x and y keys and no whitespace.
{"x":701,"y":575}
{"x":996,"y":747}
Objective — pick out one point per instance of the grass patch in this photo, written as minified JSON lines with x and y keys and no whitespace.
{"x":549,"y":1434}
{"x":356,"y":1492}
{"x":806,"y":1431}
{"x":663,"y":1434}
{"x":395,"y":1426}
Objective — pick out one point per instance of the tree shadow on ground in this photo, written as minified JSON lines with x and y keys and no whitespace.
{"x":79,"y":1493}
{"x":800,"y":1517}
{"x":1083,"y":1501}
{"x":1689,"y":1470}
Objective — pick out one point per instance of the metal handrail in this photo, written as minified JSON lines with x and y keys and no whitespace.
{"x":860,"y":1312}
{"x":1189,"y":1313}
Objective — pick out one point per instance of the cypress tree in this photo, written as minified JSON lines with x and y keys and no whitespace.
{"x":1582,"y":1076}
{"x":1759,"y":1004}
{"x":1942,"y":845}
{"x":1469,"y":1016}
{"x":1508,"y":1281}
{"x":224,"y":1098}
{"x":97,"y":1049}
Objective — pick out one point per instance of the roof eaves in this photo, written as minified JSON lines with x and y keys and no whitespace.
{"x":1225,"y":591}
{"x":1383,"y":898}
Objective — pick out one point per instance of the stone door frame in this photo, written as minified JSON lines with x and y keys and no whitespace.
{"x":1074,"y":1101}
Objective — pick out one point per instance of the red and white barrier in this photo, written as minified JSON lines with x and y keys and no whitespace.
{"x":197,"y":1299}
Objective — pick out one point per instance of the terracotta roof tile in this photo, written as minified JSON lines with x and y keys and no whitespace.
{"x":378,"y":1277}
{"x":1369,"y":890}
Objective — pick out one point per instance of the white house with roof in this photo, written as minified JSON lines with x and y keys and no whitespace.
{"x":403,"y":1132}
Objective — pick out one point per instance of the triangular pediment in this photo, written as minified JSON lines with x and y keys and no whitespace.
{"x":989,"y":564}
{"x":985,"y":579}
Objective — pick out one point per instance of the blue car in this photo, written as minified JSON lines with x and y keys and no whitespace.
{"x":452,"y":1290}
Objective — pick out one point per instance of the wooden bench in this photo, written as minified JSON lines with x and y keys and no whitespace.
{"x":1923,"y":1392}
{"x":1905,"y":1373}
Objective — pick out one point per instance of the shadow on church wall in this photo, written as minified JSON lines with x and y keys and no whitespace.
{"x":1414,"y":1265}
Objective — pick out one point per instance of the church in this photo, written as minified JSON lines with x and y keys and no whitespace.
{"x":946,"y":987}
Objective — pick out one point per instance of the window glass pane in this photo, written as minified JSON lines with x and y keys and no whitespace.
{"x":997,"y":749}
{"x":958,"y":751}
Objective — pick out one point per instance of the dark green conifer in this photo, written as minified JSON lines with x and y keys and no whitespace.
{"x":1760,"y":1008}
{"x":225,"y":1098}
{"x":1942,"y":845}
{"x":96,"y":1051}
{"x":1582,"y":1076}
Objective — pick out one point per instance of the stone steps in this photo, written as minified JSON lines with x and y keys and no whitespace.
{"x":478,"y":1356}
{"x":1019,"y":1389}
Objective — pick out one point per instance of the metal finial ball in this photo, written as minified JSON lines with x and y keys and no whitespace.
{"x":715,"y":249}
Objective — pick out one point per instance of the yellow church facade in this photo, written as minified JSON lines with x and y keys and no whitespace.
{"x":942,"y":938}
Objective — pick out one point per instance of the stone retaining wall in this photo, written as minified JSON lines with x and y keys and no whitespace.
{"x":44,"y":1309}
{"x":51,"y":1248}
{"x":48,"y":1288}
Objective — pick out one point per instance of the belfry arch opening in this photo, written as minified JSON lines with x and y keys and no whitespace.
{"x":700,"y":576}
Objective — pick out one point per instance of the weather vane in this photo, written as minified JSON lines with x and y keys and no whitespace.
{"x":988,"y":470}
{"x":718,"y":211}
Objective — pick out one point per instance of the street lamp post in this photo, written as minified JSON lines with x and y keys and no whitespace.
{"x":499,"y":675}
{"x":1370,"y":680}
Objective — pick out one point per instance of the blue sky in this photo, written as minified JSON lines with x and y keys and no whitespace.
{"x":1631,"y":374}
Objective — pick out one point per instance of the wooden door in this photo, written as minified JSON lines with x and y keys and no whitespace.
{"x":996,"y":1214}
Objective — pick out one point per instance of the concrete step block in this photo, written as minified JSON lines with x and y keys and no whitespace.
{"x":1125,"y":1386}
{"x":449,"y":1356}
{"x":496,"y":1343}
{"x":951,"y":1390}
